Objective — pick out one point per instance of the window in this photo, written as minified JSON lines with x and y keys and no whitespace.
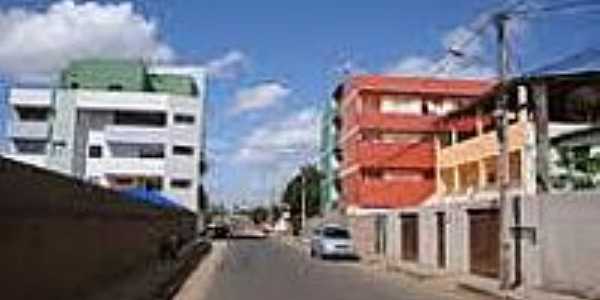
{"x":183,"y":150}
{"x":336,"y":233}
{"x":146,"y":118}
{"x":95,"y":152}
{"x":35,"y":114}
{"x":123,"y":181}
{"x":151,"y":152}
{"x":184,"y":119}
{"x":115,"y":87}
{"x":390,"y":104}
{"x":30,"y":147}
{"x":153,"y":183}
{"x":181,"y":183}
{"x":121,"y":150}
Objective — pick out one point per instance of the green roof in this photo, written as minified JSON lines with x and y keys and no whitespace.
{"x":172,"y":84}
{"x":105,"y":75}
{"x":124,"y":75}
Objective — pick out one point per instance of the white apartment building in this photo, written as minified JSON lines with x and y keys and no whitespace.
{"x":114,"y":137}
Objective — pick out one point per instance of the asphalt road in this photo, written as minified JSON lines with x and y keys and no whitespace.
{"x":270,"y":270}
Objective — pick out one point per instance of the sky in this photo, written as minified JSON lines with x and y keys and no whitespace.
{"x":273,"y":64}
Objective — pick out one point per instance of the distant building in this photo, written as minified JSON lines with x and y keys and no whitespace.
{"x":386,"y":131}
{"x":120,"y":124}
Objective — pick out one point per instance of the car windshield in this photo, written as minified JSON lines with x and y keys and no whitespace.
{"x":336,"y":233}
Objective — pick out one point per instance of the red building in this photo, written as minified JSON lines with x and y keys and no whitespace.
{"x":387,"y":127}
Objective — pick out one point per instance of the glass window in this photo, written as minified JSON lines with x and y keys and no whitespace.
{"x":35,"y":114}
{"x":183,"y":150}
{"x":181,"y":183}
{"x":30,"y":147}
{"x":95,"y":151}
{"x":184,"y":119}
{"x":145,"y":118}
{"x":336,"y":233}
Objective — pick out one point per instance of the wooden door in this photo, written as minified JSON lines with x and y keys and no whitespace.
{"x":410,"y":237}
{"x":484,"y":241}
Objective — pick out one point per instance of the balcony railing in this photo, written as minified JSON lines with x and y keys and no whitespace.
{"x":395,"y":193}
{"x":29,"y":130}
{"x":129,"y":166}
{"x":135,"y":134}
{"x":416,"y":155}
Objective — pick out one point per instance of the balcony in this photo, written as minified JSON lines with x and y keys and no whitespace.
{"x":394,"y":193}
{"x":29,"y":130}
{"x":482,"y":146}
{"x":135,"y":134}
{"x":392,"y":155}
{"x":399,"y":122}
{"x":126,"y":166}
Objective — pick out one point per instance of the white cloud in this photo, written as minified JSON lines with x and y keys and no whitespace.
{"x":38,"y":44}
{"x":465,"y":66}
{"x":259,"y":96}
{"x":294,"y":137}
{"x":227,"y":66}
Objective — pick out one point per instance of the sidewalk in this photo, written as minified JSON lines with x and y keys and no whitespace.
{"x":491,"y":287}
{"x":199,"y":281}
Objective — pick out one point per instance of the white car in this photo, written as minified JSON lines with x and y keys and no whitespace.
{"x":332,"y":241}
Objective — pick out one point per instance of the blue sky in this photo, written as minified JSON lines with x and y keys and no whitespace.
{"x":280,"y":60}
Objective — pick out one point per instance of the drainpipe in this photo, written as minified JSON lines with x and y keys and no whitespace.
{"x":518,"y":270}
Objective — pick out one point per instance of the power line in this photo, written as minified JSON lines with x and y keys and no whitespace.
{"x":475,"y":31}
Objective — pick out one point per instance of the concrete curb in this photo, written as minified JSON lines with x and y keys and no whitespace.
{"x":200,"y":280}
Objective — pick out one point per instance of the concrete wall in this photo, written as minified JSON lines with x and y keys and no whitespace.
{"x":569,"y":238}
{"x":363,"y":230}
{"x":62,"y":239}
{"x":559,"y":247}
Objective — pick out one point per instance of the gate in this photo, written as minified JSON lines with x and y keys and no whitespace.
{"x":484,"y":239}
{"x":410,"y":237}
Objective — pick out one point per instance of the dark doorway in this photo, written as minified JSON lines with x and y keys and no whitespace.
{"x":441,"y":237}
{"x":410,"y":237}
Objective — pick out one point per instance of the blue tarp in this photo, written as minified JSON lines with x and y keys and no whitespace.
{"x":153,"y":197}
{"x":585,"y":61}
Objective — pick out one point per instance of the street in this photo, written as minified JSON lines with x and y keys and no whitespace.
{"x":268,"y":269}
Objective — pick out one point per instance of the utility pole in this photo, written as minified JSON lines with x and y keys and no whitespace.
{"x":501,"y":22}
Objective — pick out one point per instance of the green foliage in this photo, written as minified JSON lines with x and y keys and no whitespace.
{"x":275,"y":212}
{"x":581,"y":168}
{"x":293,"y":192}
{"x":259,"y":215}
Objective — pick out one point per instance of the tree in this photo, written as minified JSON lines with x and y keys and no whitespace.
{"x":293,"y":192}
{"x":275,"y":213}
{"x":259,"y":214}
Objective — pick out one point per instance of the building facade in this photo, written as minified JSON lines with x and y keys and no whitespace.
{"x":116,"y":123}
{"x":552,"y":144}
{"x":329,"y":159}
{"x":387,"y":127}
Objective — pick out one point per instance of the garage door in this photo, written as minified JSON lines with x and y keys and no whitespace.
{"x":484,"y":238}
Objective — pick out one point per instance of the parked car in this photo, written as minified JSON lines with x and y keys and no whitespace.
{"x":332,"y":241}
{"x":218,"y":230}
